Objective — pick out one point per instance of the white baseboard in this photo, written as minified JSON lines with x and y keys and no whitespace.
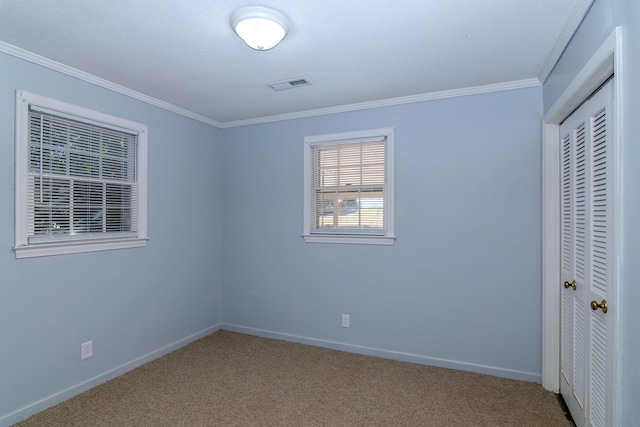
{"x":389,"y":354}
{"x":61,"y":396}
{"x":70,"y":392}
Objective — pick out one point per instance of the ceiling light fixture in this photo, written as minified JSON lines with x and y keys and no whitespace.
{"x":260,"y":28}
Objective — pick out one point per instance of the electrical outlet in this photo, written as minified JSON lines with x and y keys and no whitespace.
{"x":86,"y":350}
{"x":346,"y":321}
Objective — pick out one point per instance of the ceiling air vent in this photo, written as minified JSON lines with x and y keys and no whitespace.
{"x":290,"y":84}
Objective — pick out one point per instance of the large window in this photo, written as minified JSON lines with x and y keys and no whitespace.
{"x":80,"y":179}
{"x":348,"y":188}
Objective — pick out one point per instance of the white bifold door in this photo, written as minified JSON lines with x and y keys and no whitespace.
{"x":587,"y":181}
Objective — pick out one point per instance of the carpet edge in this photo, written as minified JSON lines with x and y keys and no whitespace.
{"x":388,"y":354}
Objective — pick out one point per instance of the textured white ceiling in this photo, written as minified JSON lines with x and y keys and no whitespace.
{"x":185,"y":52}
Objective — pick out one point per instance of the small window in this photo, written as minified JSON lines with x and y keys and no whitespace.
{"x":80,"y":179}
{"x":348,"y":188}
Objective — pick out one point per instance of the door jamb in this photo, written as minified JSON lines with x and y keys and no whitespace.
{"x":606,"y":61}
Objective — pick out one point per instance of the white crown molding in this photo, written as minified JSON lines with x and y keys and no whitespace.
{"x":518,"y":84}
{"x":90,"y":78}
{"x":570,"y":28}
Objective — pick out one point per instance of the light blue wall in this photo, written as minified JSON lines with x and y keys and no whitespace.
{"x":630,"y":295}
{"x":130,"y":302}
{"x":461,"y":285}
{"x":600,"y":22}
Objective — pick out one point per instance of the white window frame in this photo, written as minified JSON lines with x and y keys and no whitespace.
{"x":388,"y":238}
{"x":25,"y":249}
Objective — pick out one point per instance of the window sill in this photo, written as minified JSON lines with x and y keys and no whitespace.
{"x":351,"y":240}
{"x":62,"y":248}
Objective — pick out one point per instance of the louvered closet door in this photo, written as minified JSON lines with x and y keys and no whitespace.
{"x":586,"y":253}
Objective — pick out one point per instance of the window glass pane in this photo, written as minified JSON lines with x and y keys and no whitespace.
{"x":114,"y":145}
{"x":114,"y":169}
{"x":87,"y":207}
{"x":51,"y":220}
{"x":119,"y":219}
{"x":84,"y":165}
{"x":118,"y":202}
{"x":371,"y":212}
{"x":51,"y":206}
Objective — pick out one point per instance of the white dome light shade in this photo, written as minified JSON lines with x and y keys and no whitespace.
{"x":260,"y":28}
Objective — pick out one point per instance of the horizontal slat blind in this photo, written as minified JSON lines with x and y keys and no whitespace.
{"x":82,"y":179}
{"x":349,"y":187}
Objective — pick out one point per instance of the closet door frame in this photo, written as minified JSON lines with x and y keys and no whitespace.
{"x":606,"y":61}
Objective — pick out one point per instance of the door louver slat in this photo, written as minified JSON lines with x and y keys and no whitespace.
{"x":580,"y":204}
{"x":567,"y":258}
{"x":600,"y":251}
{"x":599,"y":217}
{"x":579,"y":347}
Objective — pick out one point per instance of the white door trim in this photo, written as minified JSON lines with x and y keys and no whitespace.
{"x":606,"y":61}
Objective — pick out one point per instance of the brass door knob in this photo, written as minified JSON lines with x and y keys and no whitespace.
{"x":603,"y":305}
{"x":573,"y":285}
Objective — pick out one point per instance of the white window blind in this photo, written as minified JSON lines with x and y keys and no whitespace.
{"x":82,"y":178}
{"x":348,"y":187}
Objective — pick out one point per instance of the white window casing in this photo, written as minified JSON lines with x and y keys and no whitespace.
{"x":349,"y":188}
{"x":80,"y":178}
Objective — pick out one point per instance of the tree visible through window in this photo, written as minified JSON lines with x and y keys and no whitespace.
{"x":85,"y":178}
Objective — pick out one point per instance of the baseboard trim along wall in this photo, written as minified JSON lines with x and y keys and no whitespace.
{"x":61,"y":396}
{"x":389,"y":354}
{"x":70,"y":392}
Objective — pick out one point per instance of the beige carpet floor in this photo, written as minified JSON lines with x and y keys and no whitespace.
{"x":230,"y":379}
